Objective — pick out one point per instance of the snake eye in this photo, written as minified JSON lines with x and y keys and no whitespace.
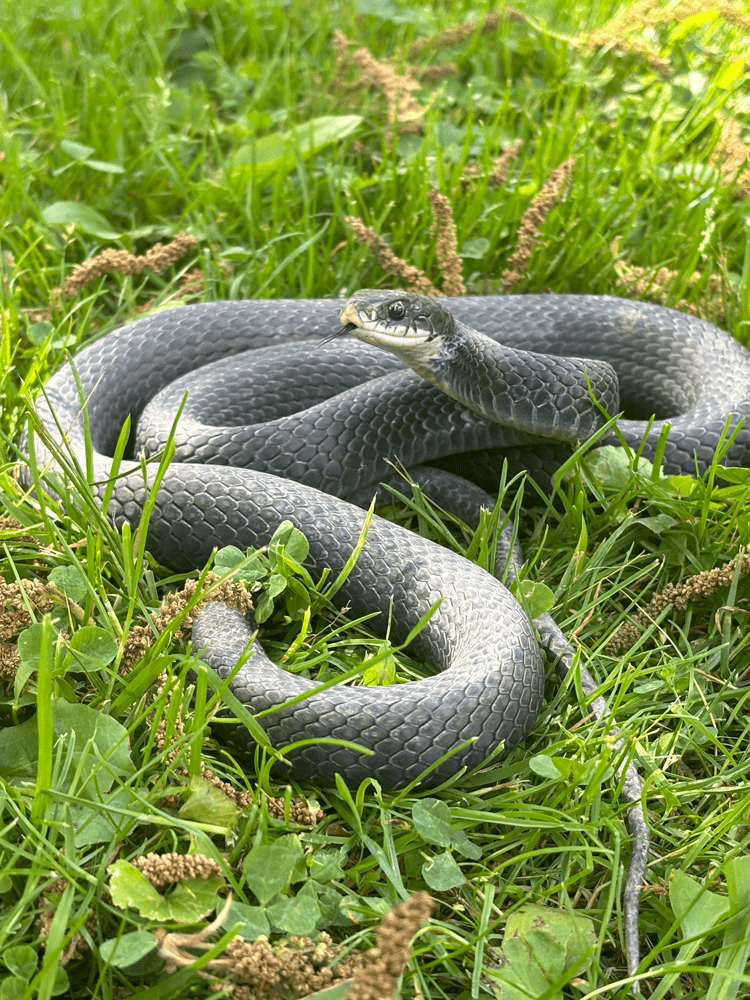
{"x":396,"y":310}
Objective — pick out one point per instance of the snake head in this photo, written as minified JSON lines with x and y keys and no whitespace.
{"x":409,"y":325}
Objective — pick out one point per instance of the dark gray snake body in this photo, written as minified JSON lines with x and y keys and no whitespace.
{"x":491,"y":682}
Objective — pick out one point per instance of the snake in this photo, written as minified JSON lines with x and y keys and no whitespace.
{"x":289,"y":427}
{"x":280,"y":420}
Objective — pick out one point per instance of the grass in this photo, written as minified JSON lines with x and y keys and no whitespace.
{"x":122,"y":126}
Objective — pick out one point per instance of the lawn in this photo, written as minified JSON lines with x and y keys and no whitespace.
{"x":157,"y":154}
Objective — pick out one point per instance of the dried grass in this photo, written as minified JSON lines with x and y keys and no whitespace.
{"x":529,"y":231}
{"x":731,"y":155}
{"x":21,"y":603}
{"x":659,"y":284}
{"x":446,"y":243}
{"x":446,"y":248}
{"x":377,"y":976}
{"x":412,"y":276}
{"x":456,"y":36}
{"x":404,"y":111}
{"x":678,"y":595}
{"x":141,"y":637}
{"x":498,"y":174}
{"x":157,"y":259}
{"x":171,"y":867}
{"x":297,"y":966}
{"x":625,"y":28}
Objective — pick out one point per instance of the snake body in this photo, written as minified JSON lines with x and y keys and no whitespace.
{"x":490,"y":685}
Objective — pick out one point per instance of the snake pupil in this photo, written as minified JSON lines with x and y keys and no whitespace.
{"x":396,"y":310}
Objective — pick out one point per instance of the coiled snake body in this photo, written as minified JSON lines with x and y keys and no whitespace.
{"x":365,"y":410}
{"x":490,"y":686}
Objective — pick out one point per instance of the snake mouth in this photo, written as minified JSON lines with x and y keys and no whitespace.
{"x":409,"y":342}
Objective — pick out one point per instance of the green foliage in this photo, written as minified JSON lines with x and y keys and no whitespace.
{"x":91,"y":754}
{"x":542,"y":950}
{"x":258,"y":161}
{"x":233,"y":121}
{"x":21,"y":960}
{"x":191,"y":899}
{"x":128,"y":950}
{"x":701,"y":915}
{"x":277,"y":571}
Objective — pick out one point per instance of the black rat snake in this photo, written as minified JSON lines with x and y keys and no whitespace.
{"x":362,"y":409}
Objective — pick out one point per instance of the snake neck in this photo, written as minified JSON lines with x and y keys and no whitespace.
{"x":555,"y":398}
